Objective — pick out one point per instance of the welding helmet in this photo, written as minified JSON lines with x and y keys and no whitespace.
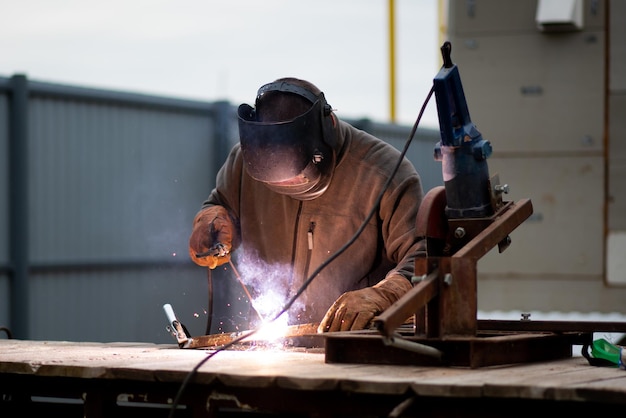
{"x":296,"y":156}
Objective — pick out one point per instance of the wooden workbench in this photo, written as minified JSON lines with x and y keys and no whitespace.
{"x":140,"y":379}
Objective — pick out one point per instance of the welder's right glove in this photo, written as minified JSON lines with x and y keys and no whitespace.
{"x":212,"y":237}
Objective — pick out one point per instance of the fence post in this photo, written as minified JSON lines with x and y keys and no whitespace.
{"x":18,"y":207}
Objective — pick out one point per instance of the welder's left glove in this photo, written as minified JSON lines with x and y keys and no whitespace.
{"x":354,"y":310}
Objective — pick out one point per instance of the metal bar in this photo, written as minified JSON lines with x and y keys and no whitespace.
{"x":18,"y":207}
{"x":497,"y":231}
{"x":458,"y":298}
{"x":520,"y":348}
{"x":473,"y":352}
{"x":391,"y":16}
{"x":394,"y":316}
{"x":222,"y":131}
{"x":550,"y":326}
{"x":246,"y":291}
{"x":404,"y":344}
{"x":174,"y":263}
{"x":60,"y":91}
{"x":308,"y":332}
{"x":364,"y":347}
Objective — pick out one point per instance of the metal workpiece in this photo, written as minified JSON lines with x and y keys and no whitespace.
{"x":303,"y":335}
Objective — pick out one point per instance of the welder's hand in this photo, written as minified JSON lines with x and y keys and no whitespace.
{"x":212,"y":233}
{"x":354,"y":310}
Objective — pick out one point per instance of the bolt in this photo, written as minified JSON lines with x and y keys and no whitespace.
{"x":417,"y":279}
{"x":501,"y":188}
{"x":459,"y":232}
{"x":438,"y":154}
{"x":482,"y":150}
{"x":587,"y":140}
{"x":317,"y":156}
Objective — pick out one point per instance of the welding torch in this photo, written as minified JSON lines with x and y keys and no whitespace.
{"x":218,"y":250}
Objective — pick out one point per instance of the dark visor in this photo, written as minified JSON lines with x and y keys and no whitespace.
{"x":278,"y":151}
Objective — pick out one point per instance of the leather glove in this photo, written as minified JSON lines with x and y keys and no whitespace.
{"x":212,"y":232}
{"x":354,"y":310}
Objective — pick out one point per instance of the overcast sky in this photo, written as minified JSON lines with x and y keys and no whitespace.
{"x":225,"y":49}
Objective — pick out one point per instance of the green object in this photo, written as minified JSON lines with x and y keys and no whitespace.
{"x":603,"y":349}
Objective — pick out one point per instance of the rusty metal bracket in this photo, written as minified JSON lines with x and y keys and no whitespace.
{"x":443,"y":302}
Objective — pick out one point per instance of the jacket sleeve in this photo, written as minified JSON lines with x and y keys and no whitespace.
{"x":227,"y":190}
{"x":398,"y":212}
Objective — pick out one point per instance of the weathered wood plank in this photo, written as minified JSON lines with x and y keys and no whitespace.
{"x":571,"y":379}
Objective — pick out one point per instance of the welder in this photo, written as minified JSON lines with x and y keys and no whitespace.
{"x":294,"y":189}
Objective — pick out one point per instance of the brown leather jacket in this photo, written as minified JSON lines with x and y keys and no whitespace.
{"x":281,"y":241}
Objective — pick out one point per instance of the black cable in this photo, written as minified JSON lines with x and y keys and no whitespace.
{"x":8,"y":332}
{"x":308,"y":281}
{"x":209,"y":318}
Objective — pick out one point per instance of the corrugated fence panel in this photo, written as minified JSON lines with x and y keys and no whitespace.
{"x":113,"y":190}
{"x":117,"y":305}
{"x":111,"y":184}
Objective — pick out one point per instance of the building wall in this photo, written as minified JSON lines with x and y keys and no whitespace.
{"x":616,"y":147}
{"x":541,"y":98}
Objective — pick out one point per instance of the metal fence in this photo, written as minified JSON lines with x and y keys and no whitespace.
{"x":98,"y":192}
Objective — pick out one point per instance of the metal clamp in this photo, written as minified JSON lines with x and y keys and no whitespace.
{"x":175,"y":327}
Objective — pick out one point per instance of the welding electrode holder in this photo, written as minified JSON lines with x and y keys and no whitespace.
{"x":218,"y":250}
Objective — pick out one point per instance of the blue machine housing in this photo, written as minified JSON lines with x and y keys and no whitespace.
{"x":462,"y":149}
